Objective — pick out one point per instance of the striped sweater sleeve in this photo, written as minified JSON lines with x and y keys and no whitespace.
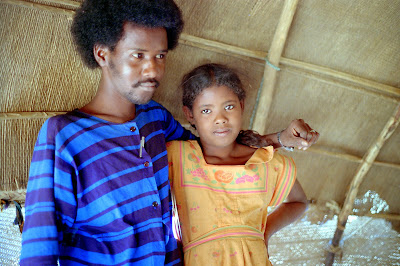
{"x":45,"y":210}
{"x":174,"y":130}
{"x":285,"y":179}
{"x":40,"y":238}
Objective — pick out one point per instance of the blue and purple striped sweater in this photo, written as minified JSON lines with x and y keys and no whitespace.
{"x":91,"y":199}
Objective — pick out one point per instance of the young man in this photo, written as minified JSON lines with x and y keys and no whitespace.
{"x":98,"y":190}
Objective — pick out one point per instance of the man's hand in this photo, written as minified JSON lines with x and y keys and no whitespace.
{"x":299,"y":135}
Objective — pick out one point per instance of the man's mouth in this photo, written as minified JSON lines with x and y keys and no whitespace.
{"x":149,"y":84}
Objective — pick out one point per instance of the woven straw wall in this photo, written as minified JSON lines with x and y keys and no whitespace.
{"x":340,"y":71}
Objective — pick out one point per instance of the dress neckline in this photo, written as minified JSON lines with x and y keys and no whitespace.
{"x":261,"y":155}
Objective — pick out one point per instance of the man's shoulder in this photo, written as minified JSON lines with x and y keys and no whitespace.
{"x":152,"y":111}
{"x":55,"y":124}
{"x":68,"y":123}
{"x":66,"y":118}
{"x":149,"y":105}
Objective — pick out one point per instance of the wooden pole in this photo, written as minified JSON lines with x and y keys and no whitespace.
{"x":28,"y":115}
{"x":342,"y":76}
{"x":221,"y":48}
{"x":362,"y":170}
{"x":323,"y":150}
{"x":274,"y":56}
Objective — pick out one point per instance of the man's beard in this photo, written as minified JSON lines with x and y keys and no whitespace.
{"x":134,"y":96}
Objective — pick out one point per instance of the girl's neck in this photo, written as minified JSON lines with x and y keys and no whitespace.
{"x":234,"y":154}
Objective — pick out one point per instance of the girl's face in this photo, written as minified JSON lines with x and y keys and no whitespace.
{"x":217,"y":115}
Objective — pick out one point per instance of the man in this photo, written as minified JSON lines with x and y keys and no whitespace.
{"x":98,"y":190}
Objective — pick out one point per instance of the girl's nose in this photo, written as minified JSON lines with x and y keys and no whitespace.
{"x":220,"y":119}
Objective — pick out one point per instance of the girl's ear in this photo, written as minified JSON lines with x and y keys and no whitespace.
{"x":242,"y":105}
{"x":188,"y":114}
{"x":100,"y":53}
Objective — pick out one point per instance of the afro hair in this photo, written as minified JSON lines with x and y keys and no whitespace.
{"x":102,"y":21}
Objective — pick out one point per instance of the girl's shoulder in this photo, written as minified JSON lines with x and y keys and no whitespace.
{"x":261,"y":155}
{"x":183,"y":144}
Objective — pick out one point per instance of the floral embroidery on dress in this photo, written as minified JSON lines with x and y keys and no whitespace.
{"x":227,"y":210}
{"x":194,"y":229}
{"x":192,"y":146}
{"x":194,"y":158}
{"x":253,"y":167}
{"x":216,"y":254}
{"x":223,"y":177}
{"x":199,"y":172}
{"x":195,"y":207}
{"x":233,"y":254}
{"x":247,"y":178}
{"x":218,"y":178}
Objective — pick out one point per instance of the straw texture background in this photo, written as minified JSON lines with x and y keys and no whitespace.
{"x":340,"y":71}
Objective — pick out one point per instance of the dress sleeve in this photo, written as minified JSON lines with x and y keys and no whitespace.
{"x":286,"y":170}
{"x":50,"y":203}
{"x":173,"y":155}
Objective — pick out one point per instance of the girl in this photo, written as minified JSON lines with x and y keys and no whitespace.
{"x":222,"y":187}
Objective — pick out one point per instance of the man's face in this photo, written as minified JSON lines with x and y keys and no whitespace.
{"x":136,"y":66}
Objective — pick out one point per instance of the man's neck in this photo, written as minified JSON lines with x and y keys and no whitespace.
{"x":113,"y":108}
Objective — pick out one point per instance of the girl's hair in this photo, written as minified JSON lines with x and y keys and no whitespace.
{"x":208,"y":75}
{"x":252,"y":138}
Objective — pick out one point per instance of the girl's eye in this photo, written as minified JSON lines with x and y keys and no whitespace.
{"x":206,"y":111}
{"x":160,"y":56}
{"x":229,"y":107}
{"x":138,"y":55}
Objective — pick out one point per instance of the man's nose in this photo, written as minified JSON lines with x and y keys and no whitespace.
{"x":150,"y":68}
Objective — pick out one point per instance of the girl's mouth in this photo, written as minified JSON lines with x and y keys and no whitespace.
{"x":222,"y":132}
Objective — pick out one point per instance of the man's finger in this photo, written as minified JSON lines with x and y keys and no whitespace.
{"x":300,"y":143}
{"x":315,"y":136}
{"x":303,"y":129}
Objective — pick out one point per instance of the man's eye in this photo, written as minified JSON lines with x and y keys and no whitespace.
{"x":229,"y":107}
{"x":137,"y":55}
{"x":206,"y":111}
{"x":160,"y":56}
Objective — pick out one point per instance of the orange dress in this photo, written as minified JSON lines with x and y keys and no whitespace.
{"x":223,"y":208}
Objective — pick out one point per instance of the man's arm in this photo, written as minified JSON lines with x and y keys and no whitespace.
{"x":40,"y":234}
{"x":174,"y":130}
{"x":297,"y":135}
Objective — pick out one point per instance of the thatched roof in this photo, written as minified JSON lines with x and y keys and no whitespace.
{"x":339,"y":70}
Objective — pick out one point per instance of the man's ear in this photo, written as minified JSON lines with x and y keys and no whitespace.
{"x":188,"y":114}
{"x":242,"y":105}
{"x":100,"y":53}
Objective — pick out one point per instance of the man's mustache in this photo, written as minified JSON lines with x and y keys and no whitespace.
{"x":147,"y":81}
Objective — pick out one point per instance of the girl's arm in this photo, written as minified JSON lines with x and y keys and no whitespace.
{"x":287,"y":212}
